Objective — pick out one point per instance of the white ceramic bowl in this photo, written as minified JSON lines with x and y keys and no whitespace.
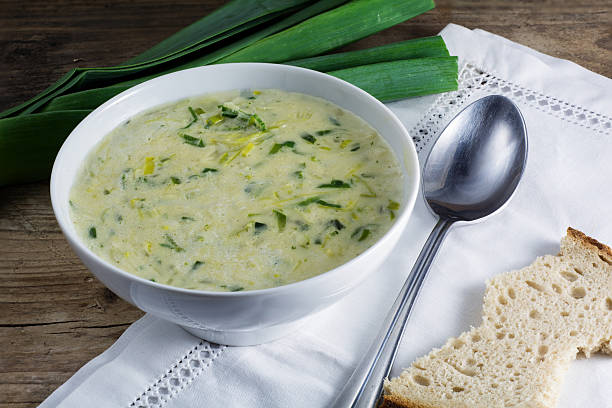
{"x":237,"y":318}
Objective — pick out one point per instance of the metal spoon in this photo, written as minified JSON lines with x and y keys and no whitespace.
{"x":471,"y":172}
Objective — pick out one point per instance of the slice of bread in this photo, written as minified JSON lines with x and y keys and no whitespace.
{"x":536,"y":320}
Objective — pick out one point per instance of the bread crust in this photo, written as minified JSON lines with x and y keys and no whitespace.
{"x":396,"y":401}
{"x":592,"y":244}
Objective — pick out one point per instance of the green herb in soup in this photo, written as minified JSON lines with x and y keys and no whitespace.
{"x":237,"y":191}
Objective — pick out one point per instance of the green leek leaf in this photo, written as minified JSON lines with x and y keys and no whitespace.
{"x":417,"y":48}
{"x":389,"y":81}
{"x":332,"y":29}
{"x":29,"y":144}
{"x":230,"y":16}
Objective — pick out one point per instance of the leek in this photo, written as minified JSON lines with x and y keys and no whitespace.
{"x":389,"y":81}
{"x":360,"y":234}
{"x":330,"y":30}
{"x":335,"y":184}
{"x":29,"y":144}
{"x":326,"y":204}
{"x":98,"y":99}
{"x":194,"y":141}
{"x":232,"y":15}
{"x":277,"y":146}
{"x":171,"y":244}
{"x":336,"y":224}
{"x":425,"y":47}
{"x":281,"y":220}
{"x":308,"y":137}
{"x":89,"y":99}
{"x":309,"y":36}
{"x":205,"y":32}
{"x":417,"y":48}
{"x":259,"y":227}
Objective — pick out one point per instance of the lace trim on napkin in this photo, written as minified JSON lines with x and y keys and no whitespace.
{"x":179,"y":376}
{"x":475,"y":83}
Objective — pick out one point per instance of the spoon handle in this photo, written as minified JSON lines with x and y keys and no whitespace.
{"x":365,"y":384}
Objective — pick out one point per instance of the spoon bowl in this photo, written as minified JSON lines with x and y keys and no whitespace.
{"x":477,"y":162}
{"x":470,"y":173}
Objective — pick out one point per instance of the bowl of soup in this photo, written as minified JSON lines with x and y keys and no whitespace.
{"x":236,"y":200}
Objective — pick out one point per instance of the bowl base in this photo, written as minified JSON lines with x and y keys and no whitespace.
{"x":246,"y":337}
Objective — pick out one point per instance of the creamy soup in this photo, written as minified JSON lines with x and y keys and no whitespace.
{"x":237,"y":190}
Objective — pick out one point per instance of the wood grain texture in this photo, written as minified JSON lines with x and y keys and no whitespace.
{"x":54,"y":316}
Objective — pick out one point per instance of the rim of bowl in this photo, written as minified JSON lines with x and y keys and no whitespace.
{"x":412,"y":170}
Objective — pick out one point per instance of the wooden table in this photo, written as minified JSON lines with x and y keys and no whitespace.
{"x":54,"y":315}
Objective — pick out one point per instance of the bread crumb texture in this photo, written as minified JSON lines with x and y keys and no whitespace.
{"x":535,"y":321}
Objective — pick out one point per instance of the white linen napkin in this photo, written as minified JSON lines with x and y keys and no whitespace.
{"x":567,"y":183}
